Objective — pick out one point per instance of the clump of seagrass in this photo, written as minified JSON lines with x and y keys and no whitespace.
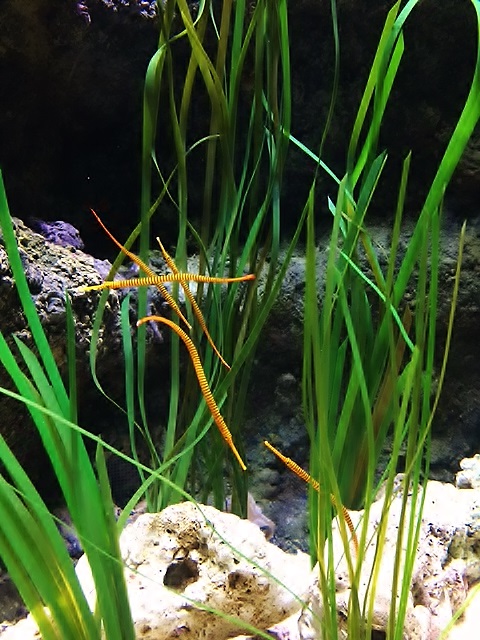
{"x":153,"y":279}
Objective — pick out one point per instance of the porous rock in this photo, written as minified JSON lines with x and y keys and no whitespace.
{"x":469,"y":476}
{"x":51,"y":272}
{"x":446,"y":567}
{"x":187,"y":560}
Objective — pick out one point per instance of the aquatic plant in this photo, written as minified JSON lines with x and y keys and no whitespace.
{"x":153,"y":279}
{"x":238,"y":223}
{"x":368,"y":361}
{"x":30,"y":544}
{"x":368,"y":354}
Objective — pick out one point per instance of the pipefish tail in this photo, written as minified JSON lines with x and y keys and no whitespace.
{"x":306,"y":477}
{"x":202,"y":380}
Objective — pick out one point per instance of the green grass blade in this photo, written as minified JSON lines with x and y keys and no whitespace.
{"x":37,"y":559}
{"x":28,"y":305}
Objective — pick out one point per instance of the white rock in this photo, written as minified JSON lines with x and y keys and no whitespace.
{"x":469,"y":476}
{"x":188,"y":560}
{"x":446,"y":565}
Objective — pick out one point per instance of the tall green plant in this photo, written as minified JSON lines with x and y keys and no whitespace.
{"x":30,"y":544}
{"x":240,"y":189}
{"x":227,"y":43}
{"x":368,"y":364}
{"x":368,"y":358}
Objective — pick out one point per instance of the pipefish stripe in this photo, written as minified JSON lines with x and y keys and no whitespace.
{"x":202,"y":380}
{"x":301,"y":473}
{"x":196,"y":309}
{"x":148,"y":270}
{"x":156,"y":279}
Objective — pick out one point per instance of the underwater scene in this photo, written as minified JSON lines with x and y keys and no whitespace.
{"x":239,"y":328}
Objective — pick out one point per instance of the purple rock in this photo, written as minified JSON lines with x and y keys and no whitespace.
{"x":59,"y":232}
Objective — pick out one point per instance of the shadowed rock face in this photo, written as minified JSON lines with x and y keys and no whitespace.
{"x":76,"y":114}
{"x":71,"y":128}
{"x":456,"y":427}
{"x":52,"y":272}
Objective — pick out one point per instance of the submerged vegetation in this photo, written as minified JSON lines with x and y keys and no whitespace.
{"x":368,"y":356}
